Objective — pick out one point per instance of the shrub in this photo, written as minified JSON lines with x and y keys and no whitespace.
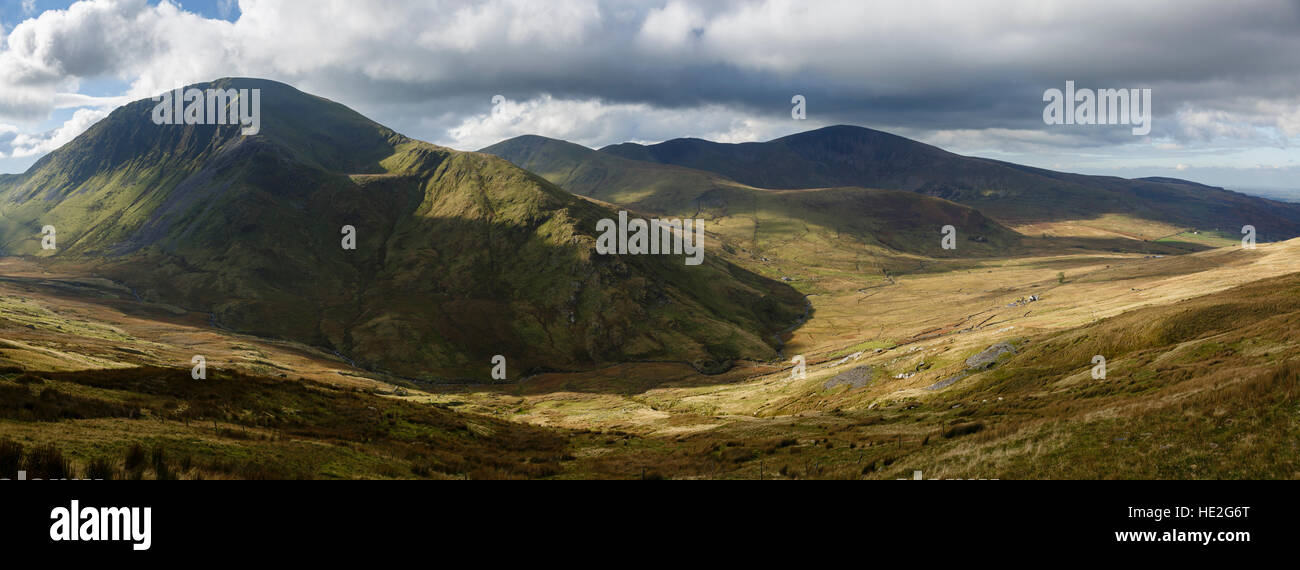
{"x":47,"y":462}
{"x":158,"y":455}
{"x":29,"y":379}
{"x":11,"y":457}
{"x":161,"y":470}
{"x":134,"y":457}
{"x":963,"y":429}
{"x":101,"y":468}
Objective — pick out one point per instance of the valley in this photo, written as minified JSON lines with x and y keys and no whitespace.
{"x":665,"y":419}
{"x":1078,"y":327}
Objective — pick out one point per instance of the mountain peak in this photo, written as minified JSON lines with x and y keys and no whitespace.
{"x":848,"y":155}
{"x":456,"y":256}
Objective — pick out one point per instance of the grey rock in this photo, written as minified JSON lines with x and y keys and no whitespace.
{"x":856,"y":378}
{"x":946,"y":382}
{"x":989,"y":356}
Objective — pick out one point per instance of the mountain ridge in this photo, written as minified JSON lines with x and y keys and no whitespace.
{"x":896,"y":220}
{"x":459,"y":256}
{"x":846,"y":155}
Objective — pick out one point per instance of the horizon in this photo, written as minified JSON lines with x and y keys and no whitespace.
{"x":655,"y":71}
{"x":1283,"y":194}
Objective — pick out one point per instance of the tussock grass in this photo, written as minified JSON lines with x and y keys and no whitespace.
{"x":280,"y":428}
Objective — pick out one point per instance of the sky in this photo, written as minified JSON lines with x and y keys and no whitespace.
{"x":966,"y":76}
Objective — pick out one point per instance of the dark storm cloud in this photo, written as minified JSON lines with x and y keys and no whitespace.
{"x":969,"y":74}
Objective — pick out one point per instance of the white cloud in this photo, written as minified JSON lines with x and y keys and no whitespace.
{"x":14,"y":144}
{"x":1273,"y":122}
{"x":226,"y":8}
{"x":654,"y":69}
{"x":594,"y":123}
{"x":152,"y":45}
{"x":548,"y":25}
{"x":672,"y":27}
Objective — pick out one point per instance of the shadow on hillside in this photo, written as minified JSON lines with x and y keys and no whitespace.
{"x":435,"y":299}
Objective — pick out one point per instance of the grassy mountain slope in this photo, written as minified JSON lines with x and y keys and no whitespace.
{"x":1202,"y":383}
{"x":99,"y":188}
{"x":635,"y":184}
{"x":855,"y":156}
{"x":758,"y":218}
{"x":459,"y":257}
{"x":1207,"y":388}
{"x":157,"y":423}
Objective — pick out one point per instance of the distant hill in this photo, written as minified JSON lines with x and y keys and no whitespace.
{"x":1168,"y":180}
{"x":459,"y":256}
{"x":856,"y":156}
{"x":632,"y":183}
{"x":897,"y":220}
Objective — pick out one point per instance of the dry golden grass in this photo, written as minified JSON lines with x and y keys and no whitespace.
{"x":1201,"y":350}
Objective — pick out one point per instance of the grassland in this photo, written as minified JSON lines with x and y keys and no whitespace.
{"x":458,"y":256}
{"x":1201,"y":383}
{"x":373,"y":363}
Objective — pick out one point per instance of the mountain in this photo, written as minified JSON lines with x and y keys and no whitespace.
{"x":855,"y":156}
{"x":459,"y":256}
{"x":633,"y":183}
{"x":751,"y":216}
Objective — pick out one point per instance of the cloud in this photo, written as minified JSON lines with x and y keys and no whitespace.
{"x":14,"y":144}
{"x":49,"y":55}
{"x":226,"y":8}
{"x":968,"y":75}
{"x":549,"y":26}
{"x":596,"y":123}
{"x":673,"y":27}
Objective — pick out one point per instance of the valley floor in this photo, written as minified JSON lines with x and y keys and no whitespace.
{"x":1202,"y":353}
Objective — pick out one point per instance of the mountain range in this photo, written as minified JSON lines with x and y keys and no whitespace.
{"x":850,"y":156}
{"x":464,"y":256}
{"x":459,"y":256}
{"x":1078,"y":326}
{"x":890,"y":219}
